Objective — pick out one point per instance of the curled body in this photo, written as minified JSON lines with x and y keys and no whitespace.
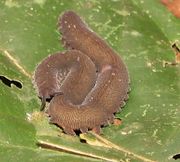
{"x":88,"y":84}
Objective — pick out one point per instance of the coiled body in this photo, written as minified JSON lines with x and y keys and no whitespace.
{"x":87,"y":84}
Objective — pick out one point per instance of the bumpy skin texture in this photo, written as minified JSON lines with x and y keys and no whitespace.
{"x":88,"y":83}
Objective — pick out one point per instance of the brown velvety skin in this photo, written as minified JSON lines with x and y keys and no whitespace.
{"x":66,"y":73}
{"x":88,"y":83}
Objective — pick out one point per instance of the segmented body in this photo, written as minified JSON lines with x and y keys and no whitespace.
{"x":87,"y":84}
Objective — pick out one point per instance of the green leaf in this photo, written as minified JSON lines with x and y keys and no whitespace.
{"x":141,"y":31}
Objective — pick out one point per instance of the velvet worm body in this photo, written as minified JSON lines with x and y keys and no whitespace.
{"x":88,"y":84}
